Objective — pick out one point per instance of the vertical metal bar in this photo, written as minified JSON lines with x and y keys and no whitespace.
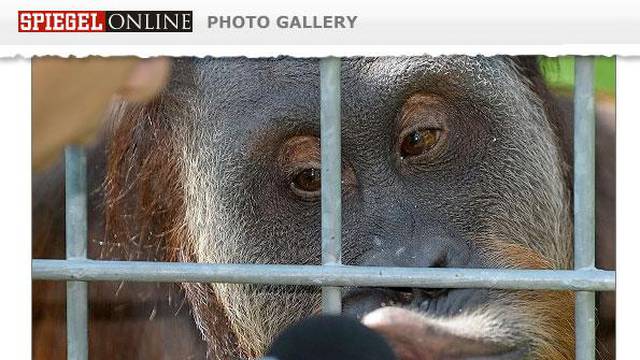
{"x":584,"y":201}
{"x":331,"y":175}
{"x":76,"y":248}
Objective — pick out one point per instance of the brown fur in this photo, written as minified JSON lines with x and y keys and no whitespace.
{"x":552,"y":312}
{"x":151,"y":210}
{"x":144,"y":225}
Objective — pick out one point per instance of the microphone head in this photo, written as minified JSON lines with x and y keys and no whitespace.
{"x":330,"y":337}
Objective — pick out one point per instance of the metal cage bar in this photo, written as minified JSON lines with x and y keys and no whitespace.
{"x":584,"y":201}
{"x":76,"y":249}
{"x":330,"y":138}
{"x":315,"y":275}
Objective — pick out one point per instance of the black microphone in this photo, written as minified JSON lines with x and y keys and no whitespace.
{"x":329,"y":337}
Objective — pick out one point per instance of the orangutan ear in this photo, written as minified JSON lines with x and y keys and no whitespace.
{"x":146,"y":79}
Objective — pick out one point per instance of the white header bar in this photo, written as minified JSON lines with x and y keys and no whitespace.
{"x":338,"y":27}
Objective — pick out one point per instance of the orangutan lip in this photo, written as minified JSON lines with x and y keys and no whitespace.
{"x":412,"y":336}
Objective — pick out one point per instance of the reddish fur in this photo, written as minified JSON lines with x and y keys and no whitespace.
{"x":553,"y":309}
{"x":154,"y":162}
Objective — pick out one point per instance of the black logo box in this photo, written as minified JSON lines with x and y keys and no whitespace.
{"x":149,"y":21}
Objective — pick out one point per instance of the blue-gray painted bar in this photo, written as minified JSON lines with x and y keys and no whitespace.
{"x":316,"y":275}
{"x":584,"y":201}
{"x":331,"y":175}
{"x":76,"y":249}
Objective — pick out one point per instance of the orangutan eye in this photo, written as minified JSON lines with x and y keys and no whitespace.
{"x":419,"y":142}
{"x":307,"y":183}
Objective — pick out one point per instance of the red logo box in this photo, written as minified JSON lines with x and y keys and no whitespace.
{"x":61,"y":21}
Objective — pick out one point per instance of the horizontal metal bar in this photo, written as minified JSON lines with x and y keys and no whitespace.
{"x":316,"y":275}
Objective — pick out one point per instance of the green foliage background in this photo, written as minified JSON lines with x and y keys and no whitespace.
{"x":559,"y":73}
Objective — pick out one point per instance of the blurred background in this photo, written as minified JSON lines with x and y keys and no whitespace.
{"x":559,"y":75}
